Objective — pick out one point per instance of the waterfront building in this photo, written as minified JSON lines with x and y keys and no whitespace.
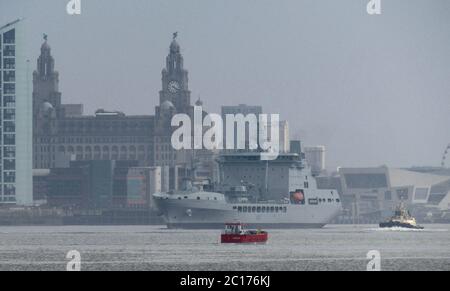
{"x":40,"y":186}
{"x":15,"y":117}
{"x":62,"y":133}
{"x":61,"y":130}
{"x":142,"y":183}
{"x":371,"y":194}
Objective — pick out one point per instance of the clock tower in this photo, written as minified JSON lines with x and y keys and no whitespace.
{"x":175,"y":80}
{"x":174,"y":98}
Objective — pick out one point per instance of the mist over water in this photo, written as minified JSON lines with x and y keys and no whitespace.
{"x":336,"y":247}
{"x":373,"y":89}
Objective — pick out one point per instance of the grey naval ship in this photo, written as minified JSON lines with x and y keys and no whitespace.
{"x":280,"y":193}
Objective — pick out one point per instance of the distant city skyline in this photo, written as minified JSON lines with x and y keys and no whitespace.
{"x":373,"y":89}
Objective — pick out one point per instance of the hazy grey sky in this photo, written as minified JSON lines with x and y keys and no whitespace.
{"x":373,"y":89}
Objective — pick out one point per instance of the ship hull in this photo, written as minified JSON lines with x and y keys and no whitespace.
{"x":251,"y":225}
{"x":207,"y":214}
{"x":244,"y":238}
{"x":390,"y":224}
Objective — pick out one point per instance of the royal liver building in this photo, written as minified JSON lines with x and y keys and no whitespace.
{"x":61,"y":132}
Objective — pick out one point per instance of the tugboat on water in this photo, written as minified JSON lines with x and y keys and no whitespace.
{"x":236,"y":233}
{"x":401,"y":218}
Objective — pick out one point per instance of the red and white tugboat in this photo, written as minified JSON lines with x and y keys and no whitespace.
{"x":236,"y":233}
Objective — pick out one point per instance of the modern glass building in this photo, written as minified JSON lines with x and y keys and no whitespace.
{"x":15,"y":117}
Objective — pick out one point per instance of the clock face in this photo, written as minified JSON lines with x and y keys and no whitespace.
{"x":173,"y":87}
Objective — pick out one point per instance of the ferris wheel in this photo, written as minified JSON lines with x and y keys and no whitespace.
{"x":444,"y":156}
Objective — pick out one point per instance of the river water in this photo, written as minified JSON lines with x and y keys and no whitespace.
{"x":335,"y":247}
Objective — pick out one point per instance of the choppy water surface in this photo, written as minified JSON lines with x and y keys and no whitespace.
{"x":335,"y":247}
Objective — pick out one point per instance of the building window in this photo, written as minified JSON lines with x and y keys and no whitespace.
{"x":9,"y":190}
{"x":313,"y":201}
{"x":364,"y":181}
{"x":9,"y":37}
{"x":9,"y":139}
{"x":402,"y":194}
{"x":388,"y":195}
{"x":9,"y":101}
{"x":9,"y":89}
{"x":9,"y":76}
{"x":9,"y":177}
{"x":9,"y":64}
{"x":9,"y":114}
{"x":9,"y":152}
{"x":421,"y":193}
{"x":9,"y":165}
{"x":9,"y":126}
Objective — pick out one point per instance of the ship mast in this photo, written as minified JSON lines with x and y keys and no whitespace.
{"x":267,"y":178}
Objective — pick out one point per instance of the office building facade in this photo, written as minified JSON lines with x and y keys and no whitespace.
{"x":16,"y":124}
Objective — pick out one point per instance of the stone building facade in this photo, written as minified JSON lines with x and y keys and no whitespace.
{"x":61,"y":132}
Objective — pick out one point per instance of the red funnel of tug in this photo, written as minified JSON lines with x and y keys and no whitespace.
{"x":236,"y":233}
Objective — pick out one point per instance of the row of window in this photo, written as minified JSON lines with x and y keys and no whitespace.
{"x":163,"y":139}
{"x":9,"y":126}
{"x":9,"y":114}
{"x":164,"y":147}
{"x":9,"y":177}
{"x":9,"y":165}
{"x":8,"y":139}
{"x":9,"y":189}
{"x":7,"y":199}
{"x":9,"y":37}
{"x":94,"y":140}
{"x":8,"y":152}
{"x":166,"y":156}
{"x":9,"y":64}
{"x":315,"y":201}
{"x":112,"y":157}
{"x":9,"y":88}
{"x":98,"y":149}
{"x":9,"y":50}
{"x":9,"y":76}
{"x":104,"y":149}
{"x":7,"y":129}
{"x":198,"y":198}
{"x":261,"y":209}
{"x":9,"y":101}
{"x":104,"y":126}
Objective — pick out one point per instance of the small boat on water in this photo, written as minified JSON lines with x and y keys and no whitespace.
{"x":236,"y":233}
{"x":402,"y":218}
